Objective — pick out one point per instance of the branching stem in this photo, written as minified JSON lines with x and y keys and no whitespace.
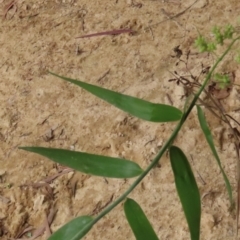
{"x":168,"y":142}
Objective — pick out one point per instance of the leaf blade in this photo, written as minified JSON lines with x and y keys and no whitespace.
{"x":74,"y":229}
{"x":137,"y":107}
{"x":209,"y":138}
{"x":187,"y":190}
{"x":97,"y":165}
{"x":138,"y":221}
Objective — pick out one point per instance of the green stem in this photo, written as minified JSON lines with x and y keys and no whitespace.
{"x":167,"y":144}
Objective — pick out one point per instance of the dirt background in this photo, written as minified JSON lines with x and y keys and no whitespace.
{"x":38,"y":109}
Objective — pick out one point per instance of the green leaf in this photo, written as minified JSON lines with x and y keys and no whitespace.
{"x":218,"y":35}
{"x":137,"y":107}
{"x":73,"y":230}
{"x":229,"y":31}
{"x":138,"y":221}
{"x":187,"y":190}
{"x":90,"y":163}
{"x":223,"y":80}
{"x":209,"y":139}
{"x":201,"y":43}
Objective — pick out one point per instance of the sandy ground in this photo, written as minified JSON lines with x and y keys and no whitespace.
{"x":38,"y":109}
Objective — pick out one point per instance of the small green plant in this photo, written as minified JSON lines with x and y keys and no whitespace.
{"x":120,"y":168}
{"x":223,"y":80}
{"x":207,"y":46}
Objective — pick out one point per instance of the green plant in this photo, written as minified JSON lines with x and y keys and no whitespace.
{"x":118,"y":168}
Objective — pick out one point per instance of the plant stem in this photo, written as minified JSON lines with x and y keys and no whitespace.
{"x":168,"y":142}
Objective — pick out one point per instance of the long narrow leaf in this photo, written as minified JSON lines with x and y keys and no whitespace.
{"x":73,"y":230}
{"x":187,"y":190}
{"x":208,"y":136}
{"x":90,"y":163}
{"x":137,"y":107}
{"x":138,"y":221}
